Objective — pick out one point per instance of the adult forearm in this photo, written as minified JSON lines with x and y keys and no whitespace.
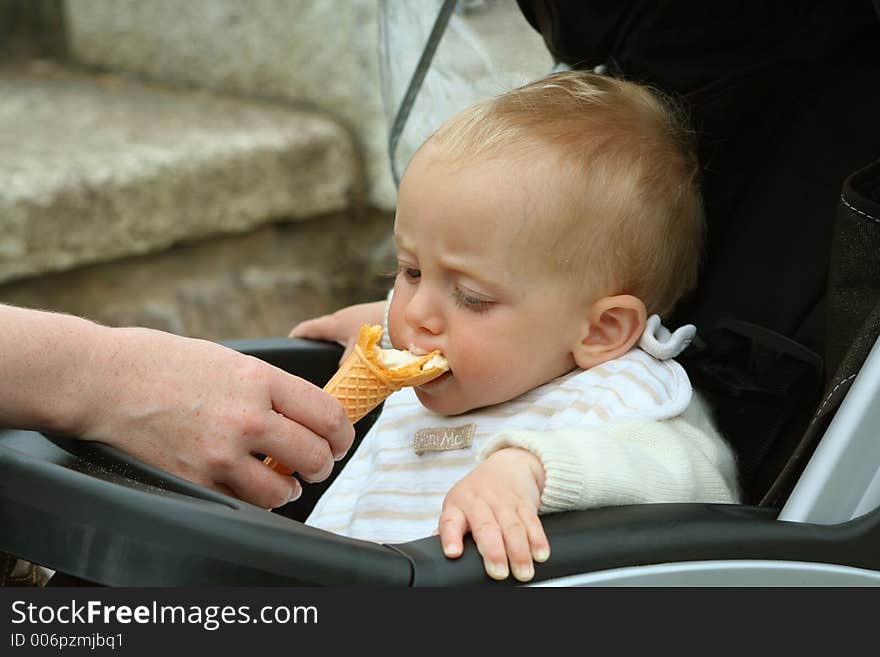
{"x":45,"y":364}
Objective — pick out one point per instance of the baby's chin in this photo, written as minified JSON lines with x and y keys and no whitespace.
{"x":443,"y":404}
{"x":447,"y":404}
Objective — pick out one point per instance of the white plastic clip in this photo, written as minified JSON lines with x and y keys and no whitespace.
{"x":663,"y":345}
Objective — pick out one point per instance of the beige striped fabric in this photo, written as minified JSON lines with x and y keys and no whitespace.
{"x":390,"y":493}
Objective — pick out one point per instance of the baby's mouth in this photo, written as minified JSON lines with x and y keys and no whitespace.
{"x":418,"y":351}
{"x":435,"y":382}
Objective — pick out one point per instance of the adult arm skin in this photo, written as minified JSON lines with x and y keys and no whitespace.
{"x":192,"y":407}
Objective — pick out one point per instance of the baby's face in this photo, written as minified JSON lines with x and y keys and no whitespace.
{"x":474,"y":283}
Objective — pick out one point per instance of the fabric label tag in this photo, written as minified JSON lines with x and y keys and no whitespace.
{"x":443,"y":439}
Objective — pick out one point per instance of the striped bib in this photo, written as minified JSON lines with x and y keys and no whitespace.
{"x":392,"y":489}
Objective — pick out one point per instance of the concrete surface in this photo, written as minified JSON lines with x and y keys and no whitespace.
{"x":101,"y":167}
{"x":325,"y":53}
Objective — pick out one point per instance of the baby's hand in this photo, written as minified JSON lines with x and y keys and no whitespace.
{"x":498,"y":502}
{"x":341,"y":326}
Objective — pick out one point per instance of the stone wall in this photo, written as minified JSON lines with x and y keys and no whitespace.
{"x":254,"y":285}
{"x":103,"y":167}
{"x":181,"y":209}
{"x":321,"y":53}
{"x":313,"y":53}
{"x":218,"y":168}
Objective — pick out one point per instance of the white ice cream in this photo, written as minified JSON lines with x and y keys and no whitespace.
{"x":394,"y":359}
{"x":437,"y":361}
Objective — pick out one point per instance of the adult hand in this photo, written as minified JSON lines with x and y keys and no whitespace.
{"x":192,"y":407}
{"x":202,"y":411}
{"x":342,"y":326}
{"x":498,"y":503}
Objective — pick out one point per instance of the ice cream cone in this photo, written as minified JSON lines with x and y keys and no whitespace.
{"x":363,"y":382}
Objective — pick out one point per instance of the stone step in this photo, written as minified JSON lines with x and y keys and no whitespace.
{"x":100,"y":167}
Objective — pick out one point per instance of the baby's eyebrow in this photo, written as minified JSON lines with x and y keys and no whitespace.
{"x":487,"y":284}
{"x":400,"y":242}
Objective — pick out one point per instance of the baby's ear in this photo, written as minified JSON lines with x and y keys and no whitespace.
{"x":614,"y":325}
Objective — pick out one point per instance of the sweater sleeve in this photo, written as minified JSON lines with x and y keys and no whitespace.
{"x":683,"y":459}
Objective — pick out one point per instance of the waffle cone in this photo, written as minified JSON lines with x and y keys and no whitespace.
{"x":362,"y":383}
{"x":359,"y":385}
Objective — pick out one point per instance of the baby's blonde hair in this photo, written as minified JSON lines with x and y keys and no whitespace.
{"x":627,"y":176}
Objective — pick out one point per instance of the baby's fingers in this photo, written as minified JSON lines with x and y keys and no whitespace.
{"x":490,"y":542}
{"x":452,"y":527}
{"x":318,"y":328}
{"x":349,"y":347}
{"x":517,"y":543}
{"x":540,"y":546}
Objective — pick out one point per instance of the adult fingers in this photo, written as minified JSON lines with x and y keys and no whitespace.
{"x":309,"y":406}
{"x":296,"y":447}
{"x":253,"y":482}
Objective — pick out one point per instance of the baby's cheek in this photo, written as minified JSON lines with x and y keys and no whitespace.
{"x":395,"y":323}
{"x":479,"y":368}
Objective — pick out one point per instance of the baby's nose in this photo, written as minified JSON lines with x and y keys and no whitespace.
{"x":423,"y":314}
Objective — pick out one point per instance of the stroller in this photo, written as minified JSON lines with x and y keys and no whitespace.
{"x":789,"y":313}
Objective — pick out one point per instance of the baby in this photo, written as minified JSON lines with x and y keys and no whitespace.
{"x":540,"y":235}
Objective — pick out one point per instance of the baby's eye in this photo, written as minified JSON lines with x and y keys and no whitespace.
{"x":410,"y":274}
{"x":469,"y":302}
